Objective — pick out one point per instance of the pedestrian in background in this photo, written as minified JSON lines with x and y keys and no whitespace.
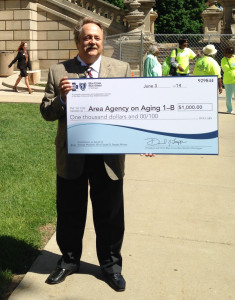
{"x":152,"y":67}
{"x":23,"y":62}
{"x":228,"y":66}
{"x":180,"y":58}
{"x":207,"y":65}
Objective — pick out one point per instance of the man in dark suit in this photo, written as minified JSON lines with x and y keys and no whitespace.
{"x":104,"y":173}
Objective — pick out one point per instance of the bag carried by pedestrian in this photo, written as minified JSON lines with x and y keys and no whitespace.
{"x":167,"y":68}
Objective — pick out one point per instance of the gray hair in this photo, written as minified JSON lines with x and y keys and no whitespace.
{"x":152,"y":49}
{"x":78,"y":28}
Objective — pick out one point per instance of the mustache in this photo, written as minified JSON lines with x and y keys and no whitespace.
{"x":91,"y":47}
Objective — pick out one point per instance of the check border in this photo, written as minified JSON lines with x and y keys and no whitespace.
{"x":163,"y":115}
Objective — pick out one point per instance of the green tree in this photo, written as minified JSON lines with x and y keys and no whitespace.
{"x":175,"y":16}
{"x":179,"y":16}
{"x":118,"y":3}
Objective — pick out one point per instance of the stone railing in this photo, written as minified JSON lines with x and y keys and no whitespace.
{"x":103,"y":9}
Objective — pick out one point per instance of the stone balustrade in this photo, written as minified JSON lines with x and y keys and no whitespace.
{"x":103,"y":9}
{"x":47,"y":26}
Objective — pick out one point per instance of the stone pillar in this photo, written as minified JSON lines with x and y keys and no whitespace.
{"x":141,"y":21}
{"x":212,"y":22}
{"x":232,"y":40}
{"x":134,"y":17}
{"x":228,"y":6}
{"x":145,"y":8}
{"x":153,"y":17}
{"x":18,"y":23}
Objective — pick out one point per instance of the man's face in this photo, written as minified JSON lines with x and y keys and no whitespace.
{"x":90,"y":45}
{"x":226,"y":54}
{"x":184,"y":45}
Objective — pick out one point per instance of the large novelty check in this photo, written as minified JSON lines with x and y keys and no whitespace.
{"x":165,"y":115}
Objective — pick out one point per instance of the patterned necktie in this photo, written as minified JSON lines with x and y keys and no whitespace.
{"x":88,"y":72}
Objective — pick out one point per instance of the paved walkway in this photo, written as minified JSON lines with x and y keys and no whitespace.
{"x":8,"y":95}
{"x":180,"y":230}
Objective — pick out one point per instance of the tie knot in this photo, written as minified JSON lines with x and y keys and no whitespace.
{"x":88,"y":71}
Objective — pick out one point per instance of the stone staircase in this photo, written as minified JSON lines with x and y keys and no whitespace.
{"x":47,"y":26}
{"x":111,"y":17}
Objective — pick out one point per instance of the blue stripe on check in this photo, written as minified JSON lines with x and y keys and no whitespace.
{"x":201,"y":136}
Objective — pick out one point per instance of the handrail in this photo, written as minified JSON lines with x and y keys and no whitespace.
{"x":103,"y":9}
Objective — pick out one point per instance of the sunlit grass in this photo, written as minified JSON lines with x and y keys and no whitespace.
{"x":27,"y":185}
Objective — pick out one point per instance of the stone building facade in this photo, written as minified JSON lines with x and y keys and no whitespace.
{"x":47,"y":25}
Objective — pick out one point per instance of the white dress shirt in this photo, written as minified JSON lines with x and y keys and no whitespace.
{"x":95,"y":67}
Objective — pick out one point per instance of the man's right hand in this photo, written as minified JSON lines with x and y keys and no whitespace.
{"x":64,"y":88}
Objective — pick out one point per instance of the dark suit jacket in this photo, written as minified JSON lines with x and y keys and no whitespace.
{"x":21,"y":64}
{"x":71,"y":166}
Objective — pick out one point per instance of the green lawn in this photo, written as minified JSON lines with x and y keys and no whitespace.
{"x":27,"y":186}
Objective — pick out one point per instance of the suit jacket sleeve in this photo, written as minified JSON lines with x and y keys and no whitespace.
{"x":51,"y":107}
{"x":14,"y":60}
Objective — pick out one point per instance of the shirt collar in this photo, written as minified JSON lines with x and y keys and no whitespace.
{"x":95,"y":66}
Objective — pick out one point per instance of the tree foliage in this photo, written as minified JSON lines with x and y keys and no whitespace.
{"x":175,"y":16}
{"x":118,"y":3}
{"x":179,"y":16}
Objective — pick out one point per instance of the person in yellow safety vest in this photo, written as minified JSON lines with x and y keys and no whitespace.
{"x":207,"y":65}
{"x":180,"y":57}
{"x":228,"y":66}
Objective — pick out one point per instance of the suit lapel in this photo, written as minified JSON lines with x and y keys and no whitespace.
{"x":74,"y":69}
{"x":105,"y":68}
